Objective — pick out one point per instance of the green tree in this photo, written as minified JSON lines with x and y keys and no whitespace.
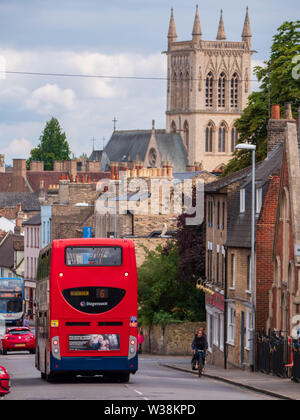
{"x":53,"y":146}
{"x":278,"y":85}
{"x":163,"y":298}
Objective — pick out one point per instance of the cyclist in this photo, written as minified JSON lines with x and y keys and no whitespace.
{"x":199,"y":346}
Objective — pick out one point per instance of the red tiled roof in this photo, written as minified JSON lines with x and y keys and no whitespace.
{"x":9,"y":183}
{"x":49,"y":178}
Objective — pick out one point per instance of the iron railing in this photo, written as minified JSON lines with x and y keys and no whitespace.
{"x":273,"y":353}
{"x":296,"y":361}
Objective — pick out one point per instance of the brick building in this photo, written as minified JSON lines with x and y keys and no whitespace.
{"x":284,"y":293}
{"x":240,"y":322}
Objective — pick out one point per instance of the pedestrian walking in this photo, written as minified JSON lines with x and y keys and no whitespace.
{"x":141,"y":339}
{"x":26,"y":321}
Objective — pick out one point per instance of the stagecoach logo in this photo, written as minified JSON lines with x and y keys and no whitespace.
{"x":84,"y":304}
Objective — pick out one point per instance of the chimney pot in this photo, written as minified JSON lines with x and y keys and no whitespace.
{"x":275,"y":113}
{"x":288,"y":115}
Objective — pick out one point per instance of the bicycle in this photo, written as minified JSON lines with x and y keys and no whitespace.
{"x":201,"y":363}
{"x":201,"y":358}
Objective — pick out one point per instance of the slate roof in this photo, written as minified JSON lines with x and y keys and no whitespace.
{"x":239,"y":227}
{"x":34,"y":220}
{"x":222,"y":182}
{"x":28,"y":200}
{"x":171,"y":148}
{"x":101,"y":157}
{"x":125,"y":146}
{"x":7,"y":249}
{"x":96,"y":156}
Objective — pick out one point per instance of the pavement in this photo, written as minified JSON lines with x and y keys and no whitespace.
{"x":256,"y":381}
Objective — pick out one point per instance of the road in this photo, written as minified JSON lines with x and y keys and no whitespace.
{"x":151,"y":382}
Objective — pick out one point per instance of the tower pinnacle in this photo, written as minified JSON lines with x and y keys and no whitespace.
{"x":247,"y":35}
{"x":172,"y":35}
{"x":221,"y":30}
{"x":197,"y":32}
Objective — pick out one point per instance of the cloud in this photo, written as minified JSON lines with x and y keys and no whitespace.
{"x":46,"y":99}
{"x":84,"y":107}
{"x":19,"y":148}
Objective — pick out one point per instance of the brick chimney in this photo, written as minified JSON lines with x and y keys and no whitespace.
{"x":277,"y":126}
{"x":19,"y":219}
{"x":37,"y":166}
{"x":2,"y":164}
{"x":19,"y":167}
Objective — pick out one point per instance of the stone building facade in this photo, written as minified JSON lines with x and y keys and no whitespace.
{"x":219,"y":198}
{"x":208,"y":86}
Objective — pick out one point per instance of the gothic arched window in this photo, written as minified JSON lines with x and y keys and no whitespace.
{"x":181,"y":92}
{"x":173,"y":127}
{"x":221,"y":90}
{"x":186,"y":135}
{"x":209,"y":138}
{"x":234,"y":91}
{"x":186,"y":91}
{"x":174,"y":92}
{"x":234,"y":138}
{"x":209,"y":90}
{"x":222,"y":138}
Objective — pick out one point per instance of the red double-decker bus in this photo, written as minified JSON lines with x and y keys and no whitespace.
{"x":86,"y":309}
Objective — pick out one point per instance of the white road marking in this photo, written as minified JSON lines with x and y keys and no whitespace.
{"x":139,"y":393}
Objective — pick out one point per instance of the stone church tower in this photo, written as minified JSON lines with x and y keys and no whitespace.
{"x":208,"y":86}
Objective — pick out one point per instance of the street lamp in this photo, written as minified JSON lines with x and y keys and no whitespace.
{"x":252,"y":147}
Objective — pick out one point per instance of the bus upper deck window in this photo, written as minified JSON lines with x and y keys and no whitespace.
{"x":94,"y":256}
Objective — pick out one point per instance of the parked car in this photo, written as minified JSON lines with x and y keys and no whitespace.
{"x":4,"y":382}
{"x":17,"y":338}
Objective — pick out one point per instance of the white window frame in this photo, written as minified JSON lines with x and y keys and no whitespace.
{"x":216,"y":330}
{"x":249,"y":280}
{"x":221,"y":318}
{"x":258,"y":200}
{"x":242,"y":200}
{"x":231,"y":324}
{"x":249,"y":329}
{"x":209,"y":332}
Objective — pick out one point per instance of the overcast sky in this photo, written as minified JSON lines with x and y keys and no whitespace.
{"x":111,"y":38}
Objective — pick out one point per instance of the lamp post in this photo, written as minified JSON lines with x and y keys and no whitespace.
{"x":252,"y":147}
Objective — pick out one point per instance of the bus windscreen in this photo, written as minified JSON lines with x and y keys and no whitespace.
{"x":10,"y":305}
{"x":94,"y":256}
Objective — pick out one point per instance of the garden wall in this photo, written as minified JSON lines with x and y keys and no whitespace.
{"x":174,"y":339}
